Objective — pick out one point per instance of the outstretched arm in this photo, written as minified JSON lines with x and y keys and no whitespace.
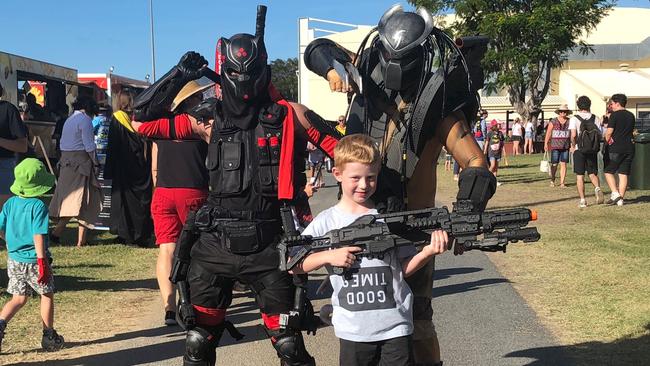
{"x":475,"y":183}
{"x":178,"y":127}
{"x":438,"y":245}
{"x":342,"y":257}
{"x":454,"y":133}
{"x":155,"y":102}
{"x":319,"y":132}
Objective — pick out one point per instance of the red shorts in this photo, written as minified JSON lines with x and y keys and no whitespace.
{"x":169,"y":207}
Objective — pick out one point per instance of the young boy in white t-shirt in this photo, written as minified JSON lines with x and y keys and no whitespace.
{"x":372,"y":311}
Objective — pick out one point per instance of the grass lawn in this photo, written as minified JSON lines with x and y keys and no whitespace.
{"x":100,"y":289}
{"x":588,"y":277}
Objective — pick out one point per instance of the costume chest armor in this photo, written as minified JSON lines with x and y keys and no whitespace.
{"x":245,"y":162}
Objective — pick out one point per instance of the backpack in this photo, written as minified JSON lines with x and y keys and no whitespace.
{"x":590,"y":136}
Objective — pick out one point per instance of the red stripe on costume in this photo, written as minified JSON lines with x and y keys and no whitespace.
{"x":271,"y":321}
{"x":285,"y":175}
{"x":160,"y":128}
{"x":327,"y":144}
{"x":157,"y":128}
{"x":209,"y":316}
{"x":183,"y":126}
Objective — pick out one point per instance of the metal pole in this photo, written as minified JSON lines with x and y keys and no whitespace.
{"x":109,"y":89}
{"x":153,"y":50}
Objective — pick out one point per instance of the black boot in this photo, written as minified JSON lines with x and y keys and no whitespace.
{"x":51,"y":341}
{"x":3,"y":326}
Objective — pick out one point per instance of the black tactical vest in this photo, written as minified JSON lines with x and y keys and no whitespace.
{"x":243,"y":165}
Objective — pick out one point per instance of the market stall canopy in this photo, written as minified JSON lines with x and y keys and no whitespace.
{"x":101,"y":80}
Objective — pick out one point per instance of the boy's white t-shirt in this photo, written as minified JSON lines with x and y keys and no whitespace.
{"x":376,"y":303}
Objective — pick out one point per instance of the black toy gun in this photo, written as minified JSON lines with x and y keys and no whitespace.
{"x":378,"y":234}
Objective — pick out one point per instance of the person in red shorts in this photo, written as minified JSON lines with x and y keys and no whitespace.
{"x":181,"y":183}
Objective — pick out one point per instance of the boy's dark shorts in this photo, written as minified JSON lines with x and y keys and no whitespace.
{"x":390,"y":352}
{"x":585,"y":163}
{"x":619,"y":163}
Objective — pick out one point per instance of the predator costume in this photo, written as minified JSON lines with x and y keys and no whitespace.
{"x":256,"y":169}
{"x":416,"y":93}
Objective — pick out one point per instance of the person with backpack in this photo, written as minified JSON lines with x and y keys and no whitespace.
{"x":558,"y":142}
{"x":618,"y":138}
{"x":480,"y":128}
{"x":493,"y":147}
{"x":585,"y":144}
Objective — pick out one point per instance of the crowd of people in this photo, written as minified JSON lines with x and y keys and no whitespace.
{"x":582,"y":138}
{"x":229,"y":182}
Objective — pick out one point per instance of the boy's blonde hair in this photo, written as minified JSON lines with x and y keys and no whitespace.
{"x":356,"y":148}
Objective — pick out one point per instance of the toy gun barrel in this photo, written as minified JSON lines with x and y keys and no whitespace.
{"x":527,"y":235}
{"x":516,"y":217}
{"x":498,"y":240}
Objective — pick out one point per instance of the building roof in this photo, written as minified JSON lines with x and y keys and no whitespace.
{"x":503,"y":101}
{"x":634,"y":83}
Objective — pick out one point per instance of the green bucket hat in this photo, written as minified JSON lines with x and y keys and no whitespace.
{"x":32,"y":180}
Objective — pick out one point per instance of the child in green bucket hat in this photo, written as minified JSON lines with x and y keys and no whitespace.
{"x":24,"y":226}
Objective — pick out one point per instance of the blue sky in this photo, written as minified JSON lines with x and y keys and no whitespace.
{"x":92,"y":35}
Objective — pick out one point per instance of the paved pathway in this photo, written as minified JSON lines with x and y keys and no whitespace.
{"x":480,"y":319}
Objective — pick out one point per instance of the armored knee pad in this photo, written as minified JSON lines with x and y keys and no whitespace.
{"x":200,"y":346}
{"x":291,"y":349}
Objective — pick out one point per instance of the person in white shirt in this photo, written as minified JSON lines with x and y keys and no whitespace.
{"x":516,"y":135}
{"x":77,"y":193}
{"x":529,"y":130}
{"x":372,"y":310}
{"x":584,"y":161}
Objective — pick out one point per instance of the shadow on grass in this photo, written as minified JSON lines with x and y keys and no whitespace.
{"x":532,"y":204}
{"x":523,"y":178}
{"x":623,"y":351}
{"x":84,"y":265}
{"x":516,"y":166}
{"x":74,"y":283}
{"x":170,"y":344}
{"x":168,"y":347}
{"x":640,"y":199}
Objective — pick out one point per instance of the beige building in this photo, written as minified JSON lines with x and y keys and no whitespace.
{"x":614,"y":67}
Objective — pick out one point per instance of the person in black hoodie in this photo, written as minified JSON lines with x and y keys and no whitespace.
{"x":128,"y":164}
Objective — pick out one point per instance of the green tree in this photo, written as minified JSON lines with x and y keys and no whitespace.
{"x":283,"y":75}
{"x":529,"y":38}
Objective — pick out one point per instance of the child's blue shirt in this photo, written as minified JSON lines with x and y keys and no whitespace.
{"x":21,"y":219}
